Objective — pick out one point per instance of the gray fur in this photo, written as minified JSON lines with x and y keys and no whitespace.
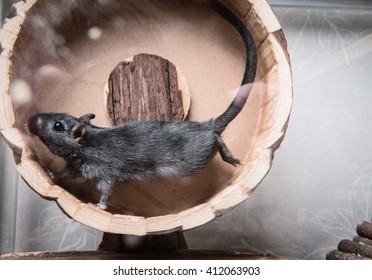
{"x":133,"y":151}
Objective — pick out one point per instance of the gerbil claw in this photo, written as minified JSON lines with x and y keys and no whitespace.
{"x":226,"y":154}
{"x":234,"y":161}
{"x":50,"y":174}
{"x":98,"y":205}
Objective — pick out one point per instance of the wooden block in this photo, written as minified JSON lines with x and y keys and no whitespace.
{"x":145,"y":87}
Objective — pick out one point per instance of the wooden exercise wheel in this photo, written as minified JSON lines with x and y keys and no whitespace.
{"x":58,"y":56}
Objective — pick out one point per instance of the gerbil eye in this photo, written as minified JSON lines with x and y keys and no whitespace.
{"x":58,"y":126}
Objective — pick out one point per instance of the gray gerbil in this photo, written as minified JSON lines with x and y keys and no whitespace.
{"x":135,"y":150}
{"x":142,"y":150}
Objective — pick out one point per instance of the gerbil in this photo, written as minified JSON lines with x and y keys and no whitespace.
{"x":133,"y":151}
{"x":141,"y":150}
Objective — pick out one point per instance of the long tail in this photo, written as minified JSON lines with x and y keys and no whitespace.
{"x":250,"y":67}
{"x":234,"y":109}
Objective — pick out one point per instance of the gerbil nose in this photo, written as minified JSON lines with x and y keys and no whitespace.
{"x":33,"y":124}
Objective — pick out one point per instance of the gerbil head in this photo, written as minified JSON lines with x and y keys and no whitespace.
{"x":60,"y":132}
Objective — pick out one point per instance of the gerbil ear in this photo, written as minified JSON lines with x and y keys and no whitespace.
{"x":86,"y":118}
{"x":78,"y":133}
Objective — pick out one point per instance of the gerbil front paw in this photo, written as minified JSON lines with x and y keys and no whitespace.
{"x":100,"y":206}
{"x":51,"y":175}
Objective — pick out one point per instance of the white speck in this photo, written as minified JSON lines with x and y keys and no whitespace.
{"x":20,"y":91}
{"x":94,"y":33}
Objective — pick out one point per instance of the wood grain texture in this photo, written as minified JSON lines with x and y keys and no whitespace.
{"x":142,"y":89}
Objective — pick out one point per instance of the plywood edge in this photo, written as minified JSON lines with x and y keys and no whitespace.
{"x":183,"y":86}
{"x":6,"y":108}
{"x":162,"y":223}
{"x":35,"y":176}
{"x":13,"y":24}
{"x":239,"y":7}
{"x":196,"y":216}
{"x":8,"y":37}
{"x":125,"y":224}
{"x":15,"y":137}
{"x":279,"y":93}
{"x":257,"y":15}
{"x":244,"y":184}
{"x":92,"y":216}
{"x":84,"y":213}
{"x":7,"y":40}
{"x":139,"y":225}
{"x":24,"y":6}
{"x":266,"y":14}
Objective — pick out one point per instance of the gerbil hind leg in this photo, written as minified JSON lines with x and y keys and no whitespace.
{"x":225,"y":152}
